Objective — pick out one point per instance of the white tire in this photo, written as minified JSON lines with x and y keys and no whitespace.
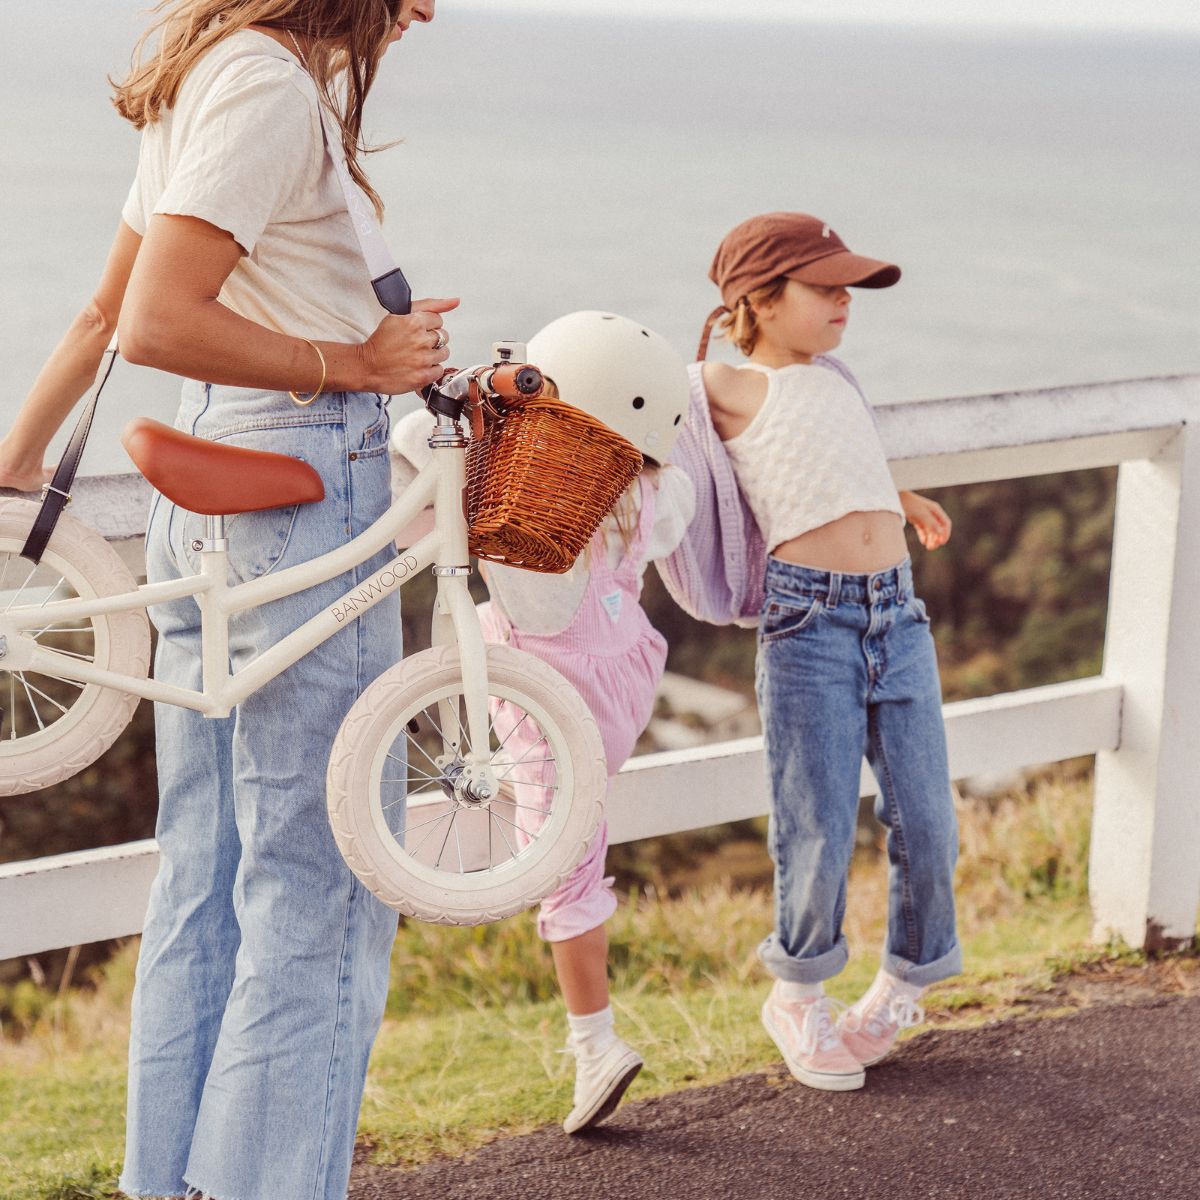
{"x":51,"y":729}
{"x":371,"y":784}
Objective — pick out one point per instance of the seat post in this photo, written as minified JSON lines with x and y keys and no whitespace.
{"x":214,"y":534}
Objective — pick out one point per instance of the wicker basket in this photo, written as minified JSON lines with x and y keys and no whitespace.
{"x":540,"y":479}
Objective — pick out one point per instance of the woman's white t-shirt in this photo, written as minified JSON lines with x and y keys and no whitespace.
{"x":242,"y":149}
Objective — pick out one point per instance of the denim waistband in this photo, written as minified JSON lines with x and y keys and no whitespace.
{"x":834,"y":587}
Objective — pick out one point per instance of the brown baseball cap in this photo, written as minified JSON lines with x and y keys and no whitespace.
{"x":794,"y":246}
{"x":791,"y":246}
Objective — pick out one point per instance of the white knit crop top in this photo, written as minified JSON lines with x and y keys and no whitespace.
{"x":811,"y":454}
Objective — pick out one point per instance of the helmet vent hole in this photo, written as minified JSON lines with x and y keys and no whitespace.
{"x":678,"y":418}
{"x":608,"y":318}
{"x":644,"y":333}
{"x":639,"y":402}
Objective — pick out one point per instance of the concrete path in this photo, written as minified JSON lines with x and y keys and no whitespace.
{"x":1103,"y":1104}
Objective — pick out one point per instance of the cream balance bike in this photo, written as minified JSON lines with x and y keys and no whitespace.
{"x":429,"y":809}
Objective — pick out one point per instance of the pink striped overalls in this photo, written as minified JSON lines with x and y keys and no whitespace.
{"x":614,"y":658}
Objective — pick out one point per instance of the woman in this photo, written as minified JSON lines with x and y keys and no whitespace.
{"x":263,"y":967}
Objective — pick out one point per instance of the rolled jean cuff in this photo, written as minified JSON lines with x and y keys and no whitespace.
{"x":922,"y":976}
{"x":802,"y":970}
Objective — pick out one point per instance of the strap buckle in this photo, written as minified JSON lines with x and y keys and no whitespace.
{"x":49,"y":487}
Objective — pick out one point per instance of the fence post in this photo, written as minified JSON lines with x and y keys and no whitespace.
{"x":1145,"y":854}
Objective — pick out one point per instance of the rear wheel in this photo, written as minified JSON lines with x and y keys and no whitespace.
{"x":403,"y":812}
{"x":52,"y":728}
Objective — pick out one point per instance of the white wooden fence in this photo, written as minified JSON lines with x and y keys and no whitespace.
{"x":1141,"y":716}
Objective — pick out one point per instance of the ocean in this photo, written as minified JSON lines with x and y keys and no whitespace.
{"x":1040,"y":192}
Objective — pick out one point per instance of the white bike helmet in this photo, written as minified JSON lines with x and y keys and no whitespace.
{"x":618,"y":371}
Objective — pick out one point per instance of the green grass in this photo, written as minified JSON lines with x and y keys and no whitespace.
{"x":470,"y":1045}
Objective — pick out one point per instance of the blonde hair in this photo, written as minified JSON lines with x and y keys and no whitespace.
{"x":740,"y":326}
{"x":626,"y":513}
{"x":347,"y":39}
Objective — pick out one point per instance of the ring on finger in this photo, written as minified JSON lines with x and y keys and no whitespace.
{"x":441,"y":340}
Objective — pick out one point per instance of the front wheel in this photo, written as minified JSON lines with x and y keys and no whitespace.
{"x":413,"y":831}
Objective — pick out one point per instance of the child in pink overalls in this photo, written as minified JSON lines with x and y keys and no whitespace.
{"x":589,"y":625}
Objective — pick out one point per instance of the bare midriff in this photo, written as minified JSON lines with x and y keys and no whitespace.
{"x":858,"y":544}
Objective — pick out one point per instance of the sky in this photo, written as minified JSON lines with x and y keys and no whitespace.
{"x":1148,"y":15}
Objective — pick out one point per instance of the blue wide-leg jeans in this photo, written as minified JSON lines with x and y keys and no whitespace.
{"x":847,"y":668}
{"x":264,"y":962}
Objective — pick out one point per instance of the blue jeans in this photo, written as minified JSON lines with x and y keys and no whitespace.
{"x":846,"y":667}
{"x":264,"y":962}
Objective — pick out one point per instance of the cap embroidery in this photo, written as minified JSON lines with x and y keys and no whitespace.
{"x":824,"y":230}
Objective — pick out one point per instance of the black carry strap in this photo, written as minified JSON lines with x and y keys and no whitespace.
{"x":57,"y":493}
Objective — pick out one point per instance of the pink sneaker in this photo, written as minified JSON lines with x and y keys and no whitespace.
{"x":870,"y":1027}
{"x":807,"y":1036}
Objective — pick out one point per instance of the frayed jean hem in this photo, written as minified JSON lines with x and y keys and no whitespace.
{"x":177,"y":1191}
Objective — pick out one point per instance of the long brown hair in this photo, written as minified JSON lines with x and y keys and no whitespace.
{"x":346,"y":38}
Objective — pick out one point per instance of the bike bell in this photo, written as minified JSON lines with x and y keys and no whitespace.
{"x":620,"y":372}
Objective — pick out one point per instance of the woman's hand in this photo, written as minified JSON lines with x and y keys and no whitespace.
{"x":928,"y":518}
{"x":407,"y":353}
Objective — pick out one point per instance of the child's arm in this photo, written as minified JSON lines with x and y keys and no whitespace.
{"x":734,"y":397}
{"x":928,"y":518}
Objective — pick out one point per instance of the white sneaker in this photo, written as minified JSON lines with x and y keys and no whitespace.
{"x":807,"y":1036}
{"x":871,"y":1026}
{"x":600,"y":1082}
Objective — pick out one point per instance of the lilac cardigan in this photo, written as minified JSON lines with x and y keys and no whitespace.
{"x":716,"y":573}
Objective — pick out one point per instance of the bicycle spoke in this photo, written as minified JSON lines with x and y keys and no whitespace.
{"x":422,"y":824}
{"x":510,"y":733}
{"x":407,"y":796}
{"x":61,"y":580}
{"x":50,"y":699}
{"x":36,"y":715}
{"x":524,"y":756}
{"x":17,"y":597}
{"x":438,"y":861}
{"x":518,"y":828}
{"x":494,"y":814}
{"x":532,"y":807}
{"x":407,"y":766}
{"x":432,"y":761}
{"x":445,"y":741}
{"x":462,"y":870}
{"x":422,"y":842}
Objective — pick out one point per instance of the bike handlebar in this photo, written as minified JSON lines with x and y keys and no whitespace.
{"x":507,"y":383}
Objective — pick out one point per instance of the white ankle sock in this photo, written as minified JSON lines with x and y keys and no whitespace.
{"x":886,"y":983}
{"x":592,"y":1032}
{"x":798,"y":993}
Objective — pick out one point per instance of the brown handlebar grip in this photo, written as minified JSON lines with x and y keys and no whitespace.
{"x":515,"y":382}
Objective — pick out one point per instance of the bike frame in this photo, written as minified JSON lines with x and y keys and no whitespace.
{"x":441,"y":483}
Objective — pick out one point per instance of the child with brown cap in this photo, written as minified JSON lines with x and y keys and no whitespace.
{"x":846,"y":663}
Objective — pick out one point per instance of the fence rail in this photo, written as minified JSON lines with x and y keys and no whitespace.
{"x":1138,"y":717}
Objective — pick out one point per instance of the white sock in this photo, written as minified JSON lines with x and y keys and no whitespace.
{"x":592,"y":1032}
{"x":798,"y":993}
{"x":884,"y":982}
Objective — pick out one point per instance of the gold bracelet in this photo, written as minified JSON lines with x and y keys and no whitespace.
{"x":321,"y":385}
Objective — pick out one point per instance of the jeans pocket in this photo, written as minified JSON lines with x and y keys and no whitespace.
{"x":783,"y":619}
{"x":257,"y":540}
{"x":919,"y":611}
{"x":374,"y":439}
